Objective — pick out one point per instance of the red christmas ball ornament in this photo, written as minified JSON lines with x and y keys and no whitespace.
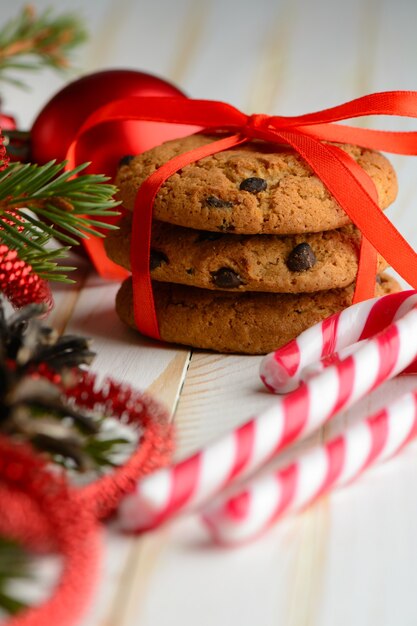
{"x":58,"y":122}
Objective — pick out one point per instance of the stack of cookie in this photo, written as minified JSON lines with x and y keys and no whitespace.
{"x":248,"y":247}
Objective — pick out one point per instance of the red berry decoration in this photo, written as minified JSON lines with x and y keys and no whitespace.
{"x":4,"y":158}
{"x":58,"y":122}
{"x":18,"y":281}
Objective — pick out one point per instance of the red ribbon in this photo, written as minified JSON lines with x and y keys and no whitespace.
{"x":344,"y":178}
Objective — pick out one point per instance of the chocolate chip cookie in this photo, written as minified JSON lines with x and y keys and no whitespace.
{"x":269,"y":263}
{"x":248,"y":323}
{"x":251,"y":189}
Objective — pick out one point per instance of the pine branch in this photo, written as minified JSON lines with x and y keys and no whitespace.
{"x":36,"y":410}
{"x":14,"y":564}
{"x":38,"y":202}
{"x":32,"y":42}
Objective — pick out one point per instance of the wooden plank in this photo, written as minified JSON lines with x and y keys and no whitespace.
{"x":350,"y":559}
{"x":208,"y":405}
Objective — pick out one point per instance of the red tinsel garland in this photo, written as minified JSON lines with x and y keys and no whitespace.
{"x":153,"y":450}
{"x":24,"y":477}
{"x":122,"y":402}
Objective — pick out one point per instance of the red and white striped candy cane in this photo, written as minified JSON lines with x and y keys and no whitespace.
{"x":282,"y":370}
{"x":191,"y":482}
{"x":253,"y":509}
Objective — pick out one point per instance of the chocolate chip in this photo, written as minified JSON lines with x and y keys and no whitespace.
{"x":253,"y":185}
{"x":302,"y":258}
{"x":125,"y":160}
{"x":206,"y":236}
{"x":226,"y":278}
{"x":216,"y":203}
{"x":190,"y":271}
{"x":157,"y":258}
{"x":226,"y":227}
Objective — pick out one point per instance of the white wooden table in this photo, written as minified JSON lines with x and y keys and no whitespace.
{"x":351,"y":559}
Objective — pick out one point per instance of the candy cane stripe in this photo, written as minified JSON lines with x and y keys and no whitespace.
{"x":336,"y":458}
{"x":323,"y":395}
{"x":244,"y":442}
{"x":389,"y":348}
{"x":261,"y":509}
{"x":268,"y":435}
{"x":351,"y":324}
{"x":283,"y":367}
{"x":239,"y":507}
{"x":141,"y":508}
{"x":357,"y":442}
{"x":185,"y":478}
{"x":329,"y":333}
{"x":296,"y":414}
{"x":216,"y":465}
{"x":406,"y":306}
{"x":315,"y":401}
{"x":288,"y":480}
{"x":315,"y":473}
{"x":383,"y":313}
{"x":346,"y":381}
{"x":289,"y":357}
{"x":310,"y":482}
{"x":407,"y":353}
{"x":379,"y":437}
{"x":401,"y":424}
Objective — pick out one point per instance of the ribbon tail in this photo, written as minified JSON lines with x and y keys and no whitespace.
{"x":172,"y":110}
{"x":368,"y":256}
{"x":396,"y":142}
{"x":354,"y":199}
{"x":143,"y":299}
{"x":397,"y":103}
{"x":366,"y":274}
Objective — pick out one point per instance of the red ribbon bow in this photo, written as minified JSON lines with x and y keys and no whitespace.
{"x":306,"y":134}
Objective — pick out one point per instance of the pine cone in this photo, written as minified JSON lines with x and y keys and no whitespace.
{"x":35,"y":366}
